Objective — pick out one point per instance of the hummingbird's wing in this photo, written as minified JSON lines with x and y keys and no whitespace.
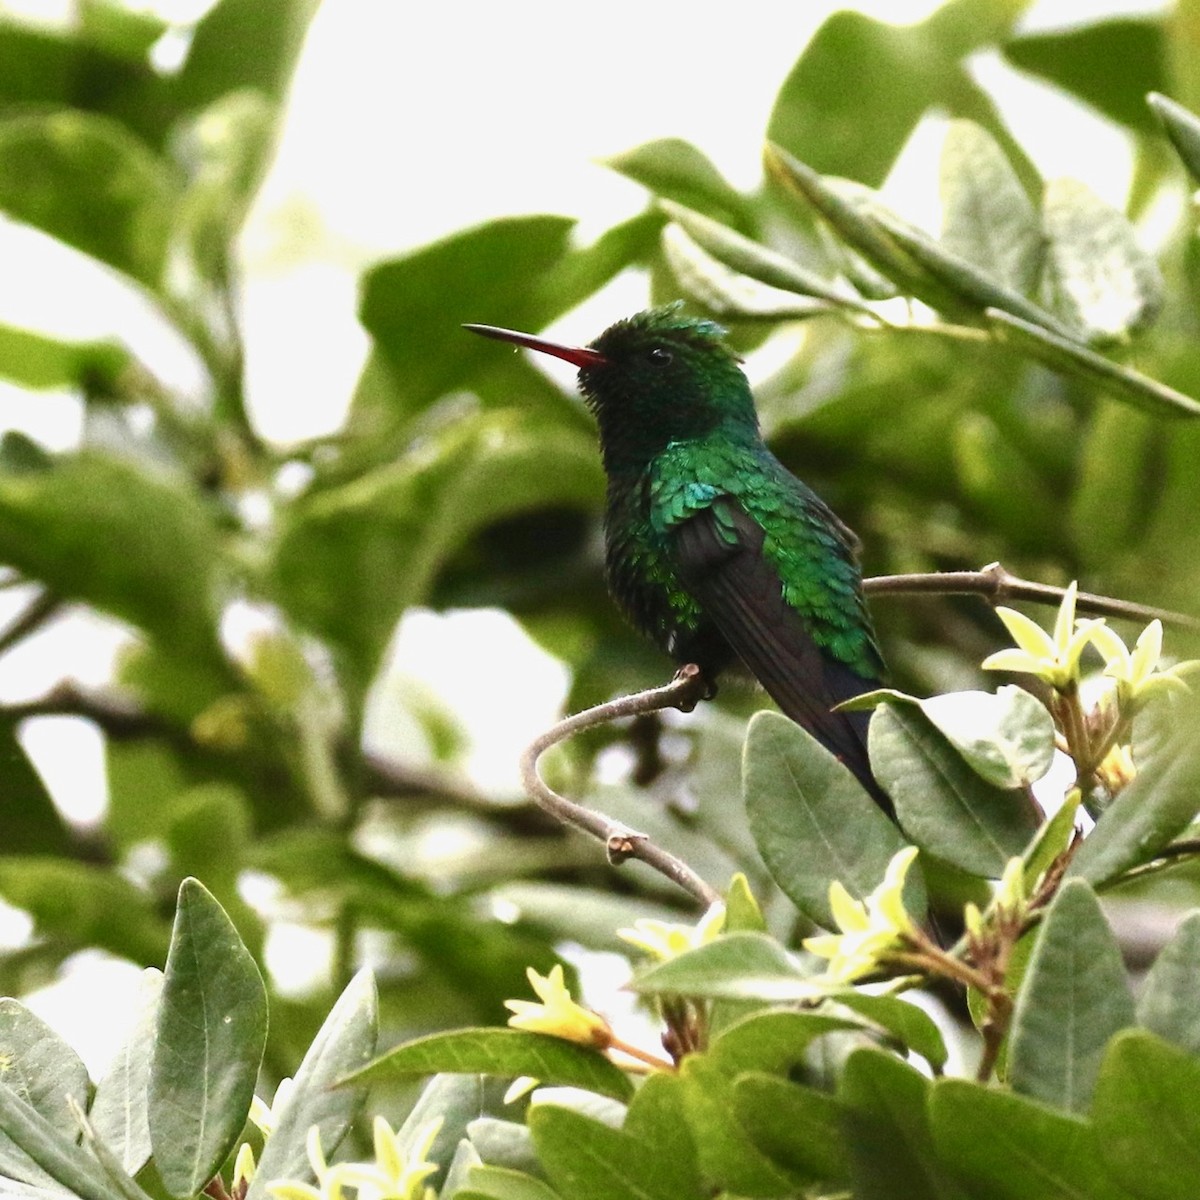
{"x":718,"y":555}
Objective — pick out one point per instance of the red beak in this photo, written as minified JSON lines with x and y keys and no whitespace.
{"x":579,"y":356}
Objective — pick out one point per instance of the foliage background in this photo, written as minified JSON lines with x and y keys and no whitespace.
{"x":236,"y":759}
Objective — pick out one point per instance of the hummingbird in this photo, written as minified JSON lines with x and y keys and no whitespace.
{"x":713,"y":548}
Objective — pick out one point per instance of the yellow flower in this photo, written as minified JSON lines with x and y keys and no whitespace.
{"x":558,"y":1014}
{"x":243,"y":1166}
{"x":396,"y":1173}
{"x":1136,"y":674}
{"x":1117,"y":769}
{"x":330,"y":1180}
{"x":265,"y":1117}
{"x":870,"y":928}
{"x":1053,"y":659}
{"x":1011,"y":894}
{"x":663,"y":940}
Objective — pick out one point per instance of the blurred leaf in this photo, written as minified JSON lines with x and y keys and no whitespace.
{"x":1074,"y":997}
{"x":737,"y":966}
{"x":887,"y":1133}
{"x":1183,"y":128}
{"x":987,"y":218}
{"x":798,"y":1128}
{"x":350,"y":560}
{"x":1147,"y":1126}
{"x":345,"y":1042}
{"x":243,"y":44}
{"x":504,"y":1144}
{"x":34,"y":360}
{"x":1110,"y":64}
{"x":673,"y":169}
{"x":120,"y":1111}
{"x":85,"y":905}
{"x":211,"y":1029}
{"x":1005,"y":1147}
{"x":30,"y":821}
{"x":505,"y":1052}
{"x":1167,"y":1003}
{"x":1072,"y":359}
{"x":86,"y":181}
{"x":497,"y":1183}
{"x":1158,"y":805}
{"x":811,"y":819}
{"x":1100,"y":279}
{"x":583,"y":1157}
{"x":945,"y":806}
{"x":119,"y":29}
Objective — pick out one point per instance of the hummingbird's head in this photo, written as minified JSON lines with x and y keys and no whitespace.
{"x":654,"y":378}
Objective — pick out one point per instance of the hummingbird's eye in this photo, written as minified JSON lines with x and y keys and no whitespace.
{"x":658,"y":356}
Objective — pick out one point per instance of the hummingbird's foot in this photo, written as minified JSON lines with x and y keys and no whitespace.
{"x":701,"y":686}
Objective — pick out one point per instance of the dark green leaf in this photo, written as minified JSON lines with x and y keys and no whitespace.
{"x":88,"y":182}
{"x":1110,"y":64}
{"x":812,"y":821}
{"x":504,"y":1052}
{"x":345,"y":1042}
{"x":583,"y":1157}
{"x":1005,"y":1147}
{"x":656,"y":1117}
{"x":944,"y":806}
{"x":212,"y":1026}
{"x":28,"y":817}
{"x":775,"y":1042}
{"x":987,"y":216}
{"x":120,"y":1111}
{"x":1070,"y":358}
{"x":675,"y":170}
{"x":886,"y":1130}
{"x":1158,"y":805}
{"x":1147,"y":1122}
{"x":913,"y":1026}
{"x":1074,"y":997}
{"x":798,"y":1128}
{"x":1100,"y":279}
{"x":1167,"y":1002}
{"x":1183,"y":128}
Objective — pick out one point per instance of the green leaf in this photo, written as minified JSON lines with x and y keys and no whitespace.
{"x":212,"y":1026}
{"x":28,"y":817}
{"x":583,"y":1157}
{"x":811,"y":820}
{"x":1109,"y":64}
{"x":1052,"y":839}
{"x":1007,"y":736}
{"x":87,"y":181}
{"x":1183,"y":128}
{"x":54,"y":1150}
{"x":675,"y":170}
{"x":1147,"y":1122}
{"x":656,"y":1117}
{"x":737,"y":966}
{"x":913,"y":1026}
{"x":1101,"y":280}
{"x":497,"y":1183}
{"x":1070,"y":358}
{"x":503,"y":1144}
{"x":352,"y":558}
{"x":775,"y":1042}
{"x":1158,"y":805}
{"x":504,"y":1052}
{"x":987,"y":217}
{"x":758,"y":262}
{"x":43,"y":1071}
{"x":742,"y":911}
{"x":34,"y":360}
{"x":798,"y":1128}
{"x":121,"y":31}
{"x":727,"y":1156}
{"x":946,"y":807}
{"x":1074,"y":997}
{"x":458,"y":1101}
{"x":1167,"y":1002}
{"x":1005,"y":1147}
{"x":84,"y":905}
{"x":120,"y":1111}
{"x":886,"y":1130}
{"x":344,"y":1042}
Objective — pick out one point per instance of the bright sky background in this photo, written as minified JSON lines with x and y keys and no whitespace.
{"x":406,"y":123}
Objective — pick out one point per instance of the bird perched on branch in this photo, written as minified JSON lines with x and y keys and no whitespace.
{"x":713,"y":548}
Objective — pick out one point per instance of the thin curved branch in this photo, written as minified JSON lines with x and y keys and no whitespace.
{"x":30,"y":619}
{"x":683,"y":692}
{"x":996,"y":585}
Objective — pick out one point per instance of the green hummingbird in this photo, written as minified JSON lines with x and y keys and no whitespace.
{"x":712,"y":547}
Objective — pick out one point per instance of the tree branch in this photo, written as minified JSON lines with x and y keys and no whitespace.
{"x":29,"y":620}
{"x":621,"y":843}
{"x":995,"y":584}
